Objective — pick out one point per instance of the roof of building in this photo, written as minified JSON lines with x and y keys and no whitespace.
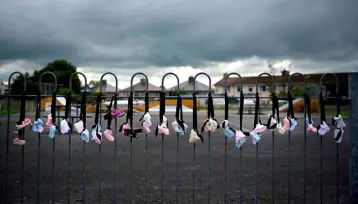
{"x":311,"y":78}
{"x":140,"y":86}
{"x":188,"y":86}
{"x":106,"y":88}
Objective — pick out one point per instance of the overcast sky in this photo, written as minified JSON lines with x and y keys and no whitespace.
{"x":181,"y":36}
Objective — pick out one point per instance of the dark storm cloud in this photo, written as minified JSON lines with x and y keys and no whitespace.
{"x":173,"y":33}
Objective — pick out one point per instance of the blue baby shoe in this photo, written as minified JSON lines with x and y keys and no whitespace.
{"x":52,"y":132}
{"x":255,"y":137}
{"x":240,"y":142}
{"x":229,"y":133}
{"x":85,"y":135}
{"x":37,"y":127}
{"x":293,"y":124}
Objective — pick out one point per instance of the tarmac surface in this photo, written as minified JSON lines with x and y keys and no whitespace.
{"x":100,"y":182}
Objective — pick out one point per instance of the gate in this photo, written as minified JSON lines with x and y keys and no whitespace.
{"x":216,"y":157}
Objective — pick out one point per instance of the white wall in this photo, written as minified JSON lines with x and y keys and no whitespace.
{"x":233,"y":90}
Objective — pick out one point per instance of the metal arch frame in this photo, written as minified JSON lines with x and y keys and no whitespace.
{"x":272,"y":79}
{"x":227,"y":77}
{"x":115,"y":139}
{"x":10,"y":77}
{"x":202,"y":73}
{"x":84,"y":143}
{"x":146,"y":80}
{"x":131,"y":123}
{"x":40,"y":81}
{"x":167,"y":74}
{"x":162,"y":142}
{"x":225,"y":153}
{"x":209,"y":139}
{"x":8,"y":134}
{"x":78,"y":73}
{"x":337,"y":144}
{"x":103,"y":75}
{"x":257,"y":145}
{"x":332,"y":74}
{"x":290,"y":78}
{"x":305,"y":139}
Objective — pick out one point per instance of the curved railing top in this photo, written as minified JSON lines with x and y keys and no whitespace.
{"x":103,"y":75}
{"x":80,"y":73}
{"x":146,"y":80}
{"x":273,"y":81}
{"x":54,"y":77}
{"x":202,"y":73}
{"x":170,"y":73}
{"x":233,"y":73}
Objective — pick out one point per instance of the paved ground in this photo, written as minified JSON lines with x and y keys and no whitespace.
{"x":137,"y":177}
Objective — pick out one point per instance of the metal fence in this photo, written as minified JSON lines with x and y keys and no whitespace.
{"x":297,"y":167}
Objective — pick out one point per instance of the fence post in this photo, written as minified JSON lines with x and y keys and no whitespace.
{"x":353,"y":134}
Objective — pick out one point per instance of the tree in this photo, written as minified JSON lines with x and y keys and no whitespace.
{"x":272,"y":68}
{"x":176,"y":92}
{"x":93,"y":83}
{"x":62,"y":70}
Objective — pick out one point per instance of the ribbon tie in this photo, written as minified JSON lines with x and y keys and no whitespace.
{"x":146,"y":118}
{"x":96,"y":128}
{"x":179,"y":125}
{"x":309,"y":121}
{"x":162,"y":128}
{"x":210,"y":124}
{"x":80,"y":126}
{"x":22,"y":123}
{"x":66,"y":126}
{"x":195,"y":136}
{"x":127,"y":127}
{"x":51,"y":118}
{"x":338,"y":122}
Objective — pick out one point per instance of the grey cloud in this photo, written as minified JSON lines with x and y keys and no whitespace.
{"x":131,"y":34}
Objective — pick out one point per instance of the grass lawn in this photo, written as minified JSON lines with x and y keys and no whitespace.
{"x":4,"y":112}
{"x":333,"y":112}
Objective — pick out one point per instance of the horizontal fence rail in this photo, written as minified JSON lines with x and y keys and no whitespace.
{"x":215,"y":155}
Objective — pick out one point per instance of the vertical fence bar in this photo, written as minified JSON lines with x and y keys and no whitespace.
{"x":69,"y":156}
{"x":337,"y":173}
{"x":305,"y":156}
{"x":162,"y":173}
{"x":146,"y":168}
{"x":99,"y":172}
{"x":53,"y":168}
{"x":69,"y":168}
{"x":209,"y":168}
{"x":289,"y":168}
{"x":53,"y":112}
{"x":305,"y":137}
{"x":115,"y":157}
{"x":273,"y":167}
{"x":225,"y":169}
{"x":7,"y":144}
{"x":353,"y":134}
{"x":177,"y":171}
{"x":38,"y":154}
{"x":240,"y":175}
{"x":257,"y":175}
{"x":8,"y":136}
{"x":321,"y":169}
{"x":84,"y":142}
{"x":38,"y":168}
{"x":83,"y":171}
{"x":161,"y":114}
{"x":100,"y":148}
{"x":22,"y":168}
{"x":194,"y":166}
